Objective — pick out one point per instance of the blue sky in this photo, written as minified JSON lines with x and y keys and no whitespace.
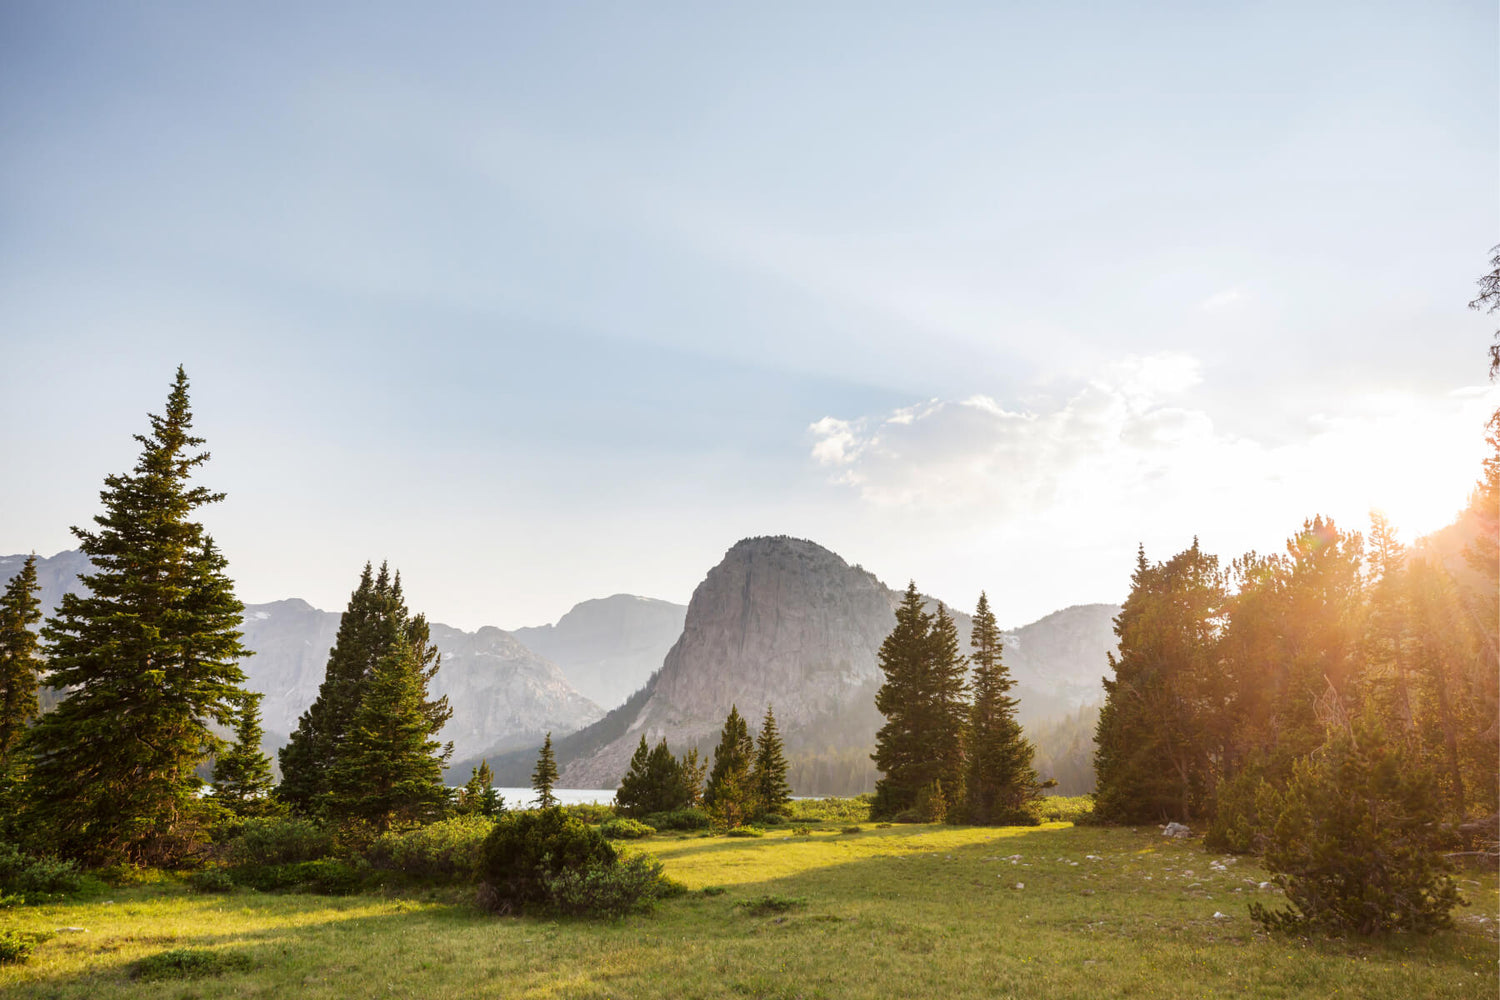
{"x":544,"y":303}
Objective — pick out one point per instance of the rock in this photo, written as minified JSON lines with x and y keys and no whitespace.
{"x":1220,"y":916}
{"x":1019,"y":885}
{"x":1176,"y":830}
{"x":72,"y":930}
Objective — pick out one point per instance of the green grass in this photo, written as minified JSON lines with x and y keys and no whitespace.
{"x":904,"y":911}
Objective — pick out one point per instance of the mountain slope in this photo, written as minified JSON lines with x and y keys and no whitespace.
{"x":610,"y":646}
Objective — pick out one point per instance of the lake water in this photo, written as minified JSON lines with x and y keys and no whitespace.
{"x":522,"y":798}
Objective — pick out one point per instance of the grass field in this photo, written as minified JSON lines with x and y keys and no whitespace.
{"x":907,"y":911}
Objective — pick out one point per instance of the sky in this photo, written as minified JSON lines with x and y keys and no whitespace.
{"x":545,"y":302}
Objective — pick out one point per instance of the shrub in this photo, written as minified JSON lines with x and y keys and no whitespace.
{"x":744,"y":831}
{"x":15,"y":946}
{"x":525,"y":850}
{"x":625,"y":829}
{"x":772,"y":819}
{"x":932,"y":804}
{"x":279,"y":841}
{"x":36,"y":879}
{"x":691,"y":818}
{"x":590,"y":812}
{"x":188,"y":963}
{"x":801,"y":831}
{"x":1064,"y":808}
{"x":212,"y":879}
{"x":853,"y":829}
{"x":607,"y":890}
{"x":1354,"y":846}
{"x":830,"y":810}
{"x":1245,"y":810}
{"x":446,"y":851}
{"x":325,"y":877}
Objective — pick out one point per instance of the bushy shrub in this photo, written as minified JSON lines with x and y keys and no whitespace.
{"x":853,"y":829}
{"x":620,"y":828}
{"x":525,"y":850}
{"x":590,"y":812}
{"x":188,"y":963}
{"x":691,"y":818}
{"x":830,"y":810}
{"x":36,"y":879}
{"x":1245,"y":810}
{"x":15,"y":946}
{"x":279,"y":841}
{"x":1065,"y":809}
{"x":1355,"y":846}
{"x":446,"y":851}
{"x":744,"y":831}
{"x":932,"y":803}
{"x":772,"y":819}
{"x":611,"y":890}
{"x":211,"y":879}
{"x":325,"y":877}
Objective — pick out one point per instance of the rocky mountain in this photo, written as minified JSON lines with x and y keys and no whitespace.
{"x":503,"y":694}
{"x":609,"y":647}
{"x":785,"y":622}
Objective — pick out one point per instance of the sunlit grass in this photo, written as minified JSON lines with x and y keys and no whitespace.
{"x":905,"y":911}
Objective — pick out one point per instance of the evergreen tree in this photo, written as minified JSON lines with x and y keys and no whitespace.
{"x":374,"y":623}
{"x":20,"y":661}
{"x":390,"y":767}
{"x":478,"y":796}
{"x":149,"y":654}
{"x":654,"y":783}
{"x":1001,"y":783}
{"x":946,"y":714}
{"x":545,"y":776}
{"x":242,"y":773}
{"x":691,"y":773}
{"x":771,"y":788}
{"x":1155,"y":756}
{"x":900,"y":743}
{"x":633,"y":797}
{"x":730,"y":791}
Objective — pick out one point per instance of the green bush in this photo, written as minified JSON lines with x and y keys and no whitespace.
{"x":590,"y":812}
{"x":36,"y":879}
{"x":15,"y":946}
{"x":1355,"y":847}
{"x":188,"y":963}
{"x":607,"y":890}
{"x":1064,"y":809}
{"x":447,"y":851}
{"x":853,"y":829}
{"x":525,"y":850}
{"x":772,"y":819}
{"x":279,"y":841}
{"x":625,"y":829}
{"x":744,"y":831}
{"x":691,"y":818}
{"x":212,"y":879}
{"x":765,"y":906}
{"x":325,"y":877}
{"x":830,"y":810}
{"x":1245,"y":810}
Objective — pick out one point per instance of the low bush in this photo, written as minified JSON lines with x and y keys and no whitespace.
{"x":691,"y":818}
{"x":853,"y":829}
{"x":188,"y":963}
{"x":447,"y":851}
{"x":525,"y":850}
{"x":36,"y":879}
{"x":278,"y":841}
{"x":612,"y":890}
{"x":1064,"y":809}
{"x":801,"y":831}
{"x":1245,"y":810}
{"x":211,"y":879}
{"x":325,"y":877}
{"x":772,"y":819}
{"x":744,"y":831}
{"x":15,"y":946}
{"x":625,"y":829}
{"x":590,"y":812}
{"x":830,"y":810}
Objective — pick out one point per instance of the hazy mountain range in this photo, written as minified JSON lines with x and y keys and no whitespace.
{"x":779,"y":621}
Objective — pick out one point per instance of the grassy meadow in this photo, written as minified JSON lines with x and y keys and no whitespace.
{"x":904,"y":911}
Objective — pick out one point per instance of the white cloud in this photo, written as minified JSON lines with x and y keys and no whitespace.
{"x":1120,"y":458}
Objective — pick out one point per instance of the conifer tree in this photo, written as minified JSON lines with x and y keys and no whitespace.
{"x":633,"y":797}
{"x":691,"y":772}
{"x":1001,"y":783}
{"x":242,"y":773}
{"x":900,"y":744}
{"x":21,"y":663}
{"x":771,"y":788}
{"x":946,"y":711}
{"x":545,"y":776}
{"x":149,"y":654}
{"x":730,"y":791}
{"x":478,"y":796}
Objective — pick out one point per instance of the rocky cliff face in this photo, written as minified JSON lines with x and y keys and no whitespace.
{"x":785,"y":622}
{"x":502,"y":693}
{"x":609,"y":647}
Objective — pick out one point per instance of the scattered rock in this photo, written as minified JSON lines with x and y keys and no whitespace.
{"x":1019,"y":885}
{"x":1177,"y":830}
{"x":72,"y":930}
{"x":1220,"y":916}
{"x":1088,"y":892}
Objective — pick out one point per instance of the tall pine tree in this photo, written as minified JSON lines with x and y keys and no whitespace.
{"x":21,"y":663}
{"x":899,"y":745}
{"x":730,"y":792}
{"x":150,"y":656}
{"x":771,"y":788}
{"x":389,"y":769}
{"x":1001,"y":783}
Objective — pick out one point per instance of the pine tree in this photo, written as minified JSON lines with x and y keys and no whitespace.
{"x":374,"y":623}
{"x":390,"y":767}
{"x":1001,"y":783}
{"x":771,"y":788}
{"x":478,"y":796}
{"x":633,"y":797}
{"x":20,"y":661}
{"x":242,"y":773}
{"x":691,"y":772}
{"x":545,"y":776}
{"x":149,"y":655}
{"x":946,"y":714}
{"x":899,"y":745}
{"x":730,"y":792}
